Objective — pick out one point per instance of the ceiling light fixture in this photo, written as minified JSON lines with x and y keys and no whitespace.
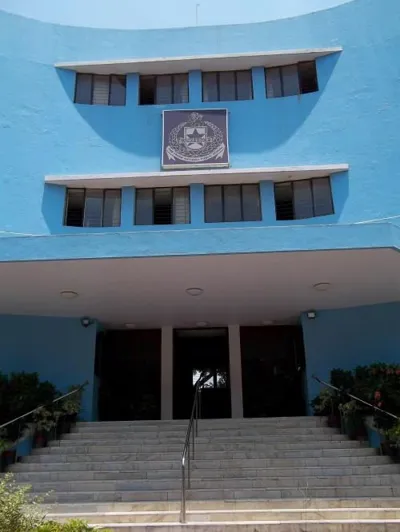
{"x":201,"y":324}
{"x":194,"y":291}
{"x":68,"y":294}
{"x":267,"y":322}
{"x":130,"y":325}
{"x":322,"y":287}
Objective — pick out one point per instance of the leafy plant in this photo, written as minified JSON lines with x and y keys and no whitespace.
{"x":71,"y":405}
{"x":18,"y":511}
{"x":71,"y":526}
{"x":326,"y":402}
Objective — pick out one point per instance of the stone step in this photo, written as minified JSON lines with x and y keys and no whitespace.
{"x":134,"y":465}
{"x":205,"y":474}
{"x":390,"y":480}
{"x":232,"y":505}
{"x":119,"y":447}
{"x":224,"y":494}
{"x":263,"y":430}
{"x":230,"y":423}
{"x":40,"y":457}
{"x":269,"y":526}
{"x":285,"y":515}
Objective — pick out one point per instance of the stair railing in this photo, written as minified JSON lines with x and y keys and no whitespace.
{"x":22,"y":420}
{"x":191,"y":433}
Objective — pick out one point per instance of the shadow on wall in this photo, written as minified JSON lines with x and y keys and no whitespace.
{"x":256,"y":126}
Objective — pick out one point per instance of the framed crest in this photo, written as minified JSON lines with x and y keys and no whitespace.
{"x":195,"y":139}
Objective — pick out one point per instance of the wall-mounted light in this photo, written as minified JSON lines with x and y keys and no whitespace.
{"x":86,"y":322}
{"x":311,"y":314}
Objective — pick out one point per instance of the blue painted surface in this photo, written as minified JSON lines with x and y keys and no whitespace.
{"x":59,"y":349}
{"x":352,"y":119}
{"x":158,"y":13}
{"x":347,"y":338}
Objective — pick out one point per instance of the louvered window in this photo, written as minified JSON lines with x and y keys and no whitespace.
{"x":93,"y":208}
{"x":95,"y":89}
{"x":162,"y":206}
{"x":163,"y":90}
{"x":227,"y":86}
{"x":291,"y":80}
{"x":303,"y":199}
{"x":232,"y":203}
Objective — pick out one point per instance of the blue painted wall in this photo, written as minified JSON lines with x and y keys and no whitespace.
{"x":347,"y":338}
{"x":352,"y":119}
{"x":59,"y":349}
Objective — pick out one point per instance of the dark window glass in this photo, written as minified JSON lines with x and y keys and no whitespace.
{"x":274,"y":82}
{"x":303,"y":199}
{"x":83,"y":88}
{"x":227,"y":86}
{"x":232,"y":203}
{"x":118,"y":90}
{"x":93,"y":208}
{"x":251,"y":202}
{"x":308,"y":77}
{"x":100,"y":90}
{"x":163,"y":90}
{"x":74,"y":208}
{"x":162,"y":206}
{"x":291,"y":80}
{"x":213,"y":203}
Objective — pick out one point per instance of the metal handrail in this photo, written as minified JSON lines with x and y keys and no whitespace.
{"x":43,"y":406}
{"x":205,"y":376}
{"x":355,"y":398}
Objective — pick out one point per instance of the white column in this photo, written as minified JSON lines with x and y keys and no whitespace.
{"x":167,"y":360}
{"x":235,"y":368}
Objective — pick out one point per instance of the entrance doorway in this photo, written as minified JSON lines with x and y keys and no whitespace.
{"x":273,"y":365}
{"x":196,"y":350}
{"x":128,"y":369}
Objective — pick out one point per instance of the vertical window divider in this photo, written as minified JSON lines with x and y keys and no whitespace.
{"x":236,"y":85}
{"x":241,"y":203}
{"x":223,"y":202}
{"x":153,"y":210}
{"x":281,"y":78}
{"x":218,"y":86}
{"x":109,"y":88}
{"x":91,"y":90}
{"x":172,"y":92}
{"x":103,"y":204}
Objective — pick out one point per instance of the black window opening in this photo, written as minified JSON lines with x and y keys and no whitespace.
{"x":303,"y":199}
{"x":232,"y":203}
{"x":163,"y":90}
{"x":93,"y":208}
{"x":291,"y":80}
{"x":162,"y":206}
{"x":95,"y":89}
{"x":227,"y":86}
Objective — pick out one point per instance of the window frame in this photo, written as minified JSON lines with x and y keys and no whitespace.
{"x":153,"y":189}
{"x":104,"y":191}
{"x":155,"y":77}
{"x":241,"y":185}
{"x":92,"y":76}
{"x":311,"y":181}
{"x":217,"y":74}
{"x":282,"y":87}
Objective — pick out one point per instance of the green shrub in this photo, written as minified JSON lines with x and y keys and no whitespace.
{"x":18,"y":511}
{"x":71,"y":526}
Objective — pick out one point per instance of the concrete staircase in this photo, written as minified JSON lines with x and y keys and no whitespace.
{"x":280,"y":475}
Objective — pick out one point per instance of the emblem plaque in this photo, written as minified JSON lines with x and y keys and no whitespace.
{"x":195,"y":139}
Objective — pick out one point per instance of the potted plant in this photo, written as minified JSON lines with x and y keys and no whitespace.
{"x":353,"y":415}
{"x":70,"y":407}
{"x":7,"y":454}
{"x":327,"y":404}
{"x":45,"y":421}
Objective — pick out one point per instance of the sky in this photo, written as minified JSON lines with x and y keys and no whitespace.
{"x":145,"y":14}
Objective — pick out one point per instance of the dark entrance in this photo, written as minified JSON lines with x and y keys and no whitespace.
{"x":128,"y":369}
{"x":194,"y":351}
{"x":273,"y":371}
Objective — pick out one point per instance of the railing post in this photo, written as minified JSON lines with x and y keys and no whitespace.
{"x":197,"y":412}
{"x":188,"y":465}
{"x":183,"y":510}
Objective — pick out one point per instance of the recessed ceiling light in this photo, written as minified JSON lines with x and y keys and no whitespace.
{"x":194,"y":291}
{"x":322,"y":287}
{"x":130,"y":325}
{"x":202,"y":324}
{"x":267,"y":322}
{"x":68,"y":294}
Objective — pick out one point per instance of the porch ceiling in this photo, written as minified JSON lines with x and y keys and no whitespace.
{"x":245,"y":289}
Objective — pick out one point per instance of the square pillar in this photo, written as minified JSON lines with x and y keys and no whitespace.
{"x":167,"y":361}
{"x":235,"y":371}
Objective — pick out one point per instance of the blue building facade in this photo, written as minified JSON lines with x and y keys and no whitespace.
{"x":103,"y":251}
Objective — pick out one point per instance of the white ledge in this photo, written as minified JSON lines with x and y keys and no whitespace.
{"x":175,"y":65}
{"x":186,"y":177}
